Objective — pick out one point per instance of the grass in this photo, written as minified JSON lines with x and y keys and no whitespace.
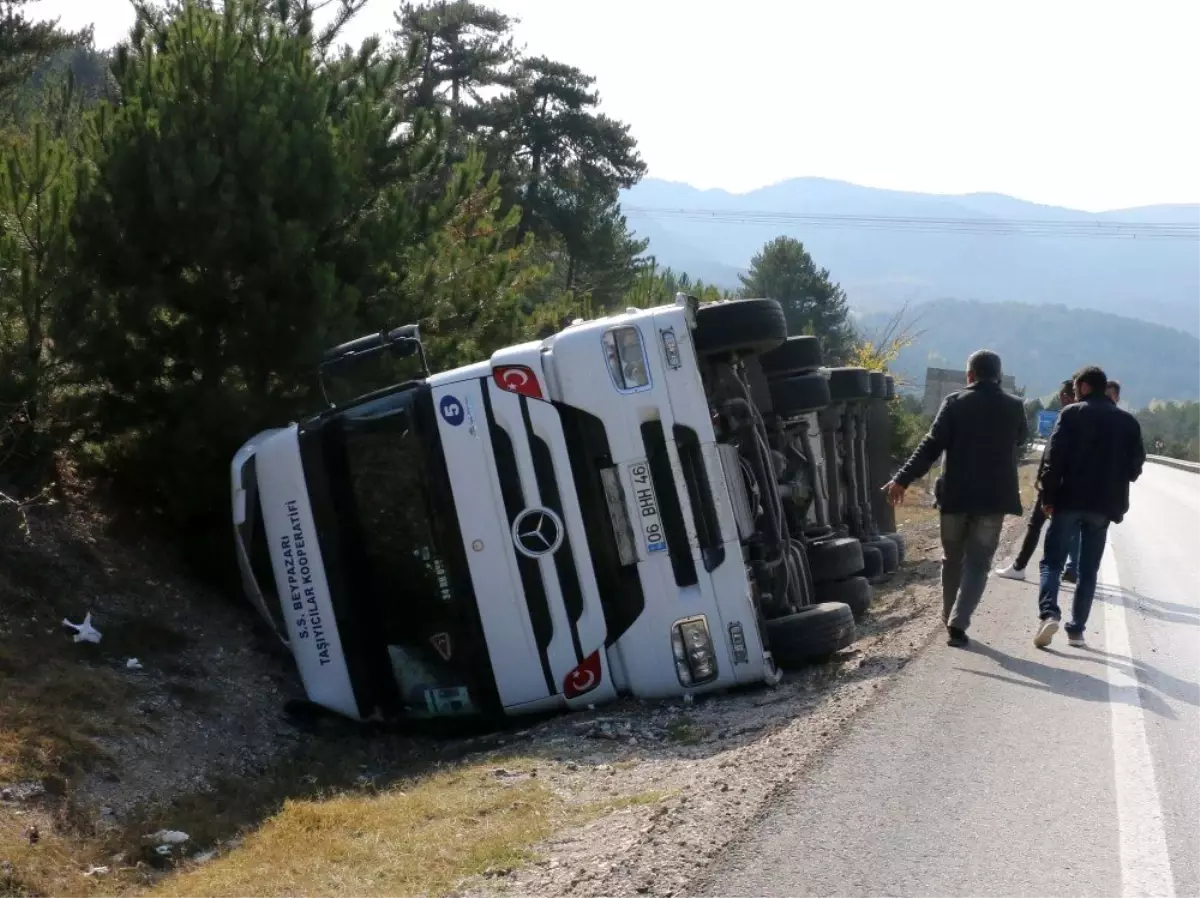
{"x":917,"y":507}
{"x":50,"y":711}
{"x":1026,"y":475}
{"x":685,"y":731}
{"x":918,"y":502}
{"x":420,"y":838}
{"x":51,"y":708}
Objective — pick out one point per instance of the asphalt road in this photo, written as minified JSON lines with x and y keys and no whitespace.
{"x":1007,"y":770}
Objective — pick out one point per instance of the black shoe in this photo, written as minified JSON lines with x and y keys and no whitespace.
{"x":957,"y":637}
{"x":1070,"y":577}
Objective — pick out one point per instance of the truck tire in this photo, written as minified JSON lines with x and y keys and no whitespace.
{"x":742,"y":326}
{"x":834,"y":559}
{"x":811,"y":634}
{"x":855,"y":592}
{"x":889,"y":553}
{"x":872,"y":565}
{"x":848,"y":384}
{"x":878,"y":385}
{"x":796,"y":355}
{"x":791,"y":396}
{"x":898,"y":539}
{"x":890,"y":383}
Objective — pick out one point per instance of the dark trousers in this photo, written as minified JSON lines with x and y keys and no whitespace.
{"x":1033,"y":534}
{"x":1092,"y":533}
{"x":968,"y":545}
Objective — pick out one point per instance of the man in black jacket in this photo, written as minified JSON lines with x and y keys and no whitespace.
{"x":982,"y":431}
{"x":1095,"y":452}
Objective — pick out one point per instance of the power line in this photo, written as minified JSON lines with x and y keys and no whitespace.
{"x":1092,"y":230}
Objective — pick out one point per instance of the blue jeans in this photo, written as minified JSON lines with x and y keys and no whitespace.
{"x":1073,"y":553}
{"x":1092,"y":531}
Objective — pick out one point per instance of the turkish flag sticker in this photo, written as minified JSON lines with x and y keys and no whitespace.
{"x":584,"y":678}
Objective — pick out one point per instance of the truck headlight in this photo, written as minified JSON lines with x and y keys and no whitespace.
{"x":695,"y":656}
{"x":671,"y":348}
{"x":626,"y":358}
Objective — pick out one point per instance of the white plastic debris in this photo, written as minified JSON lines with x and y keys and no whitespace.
{"x":163,"y":850}
{"x":169,"y":837}
{"x":96,"y":871}
{"x":84,"y":632}
{"x":133,"y":664}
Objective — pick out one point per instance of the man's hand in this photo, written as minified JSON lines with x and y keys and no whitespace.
{"x":895,"y":492}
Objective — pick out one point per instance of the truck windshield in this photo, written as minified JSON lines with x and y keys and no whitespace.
{"x":406,"y":588}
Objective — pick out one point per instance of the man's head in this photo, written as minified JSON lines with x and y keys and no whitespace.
{"x":983,"y":367}
{"x":1113,"y":391}
{"x":1090,"y":381}
{"x":1066,"y":392}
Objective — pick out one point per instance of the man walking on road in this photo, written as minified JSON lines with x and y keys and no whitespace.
{"x":982,"y":431}
{"x":1037,"y":518}
{"x":1095,"y":452}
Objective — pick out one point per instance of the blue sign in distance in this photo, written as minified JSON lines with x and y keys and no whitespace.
{"x":1045,"y":422}
{"x":452,"y":410}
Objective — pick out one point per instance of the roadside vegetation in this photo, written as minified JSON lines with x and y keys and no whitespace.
{"x":186,"y":222}
{"x":1172,"y":429}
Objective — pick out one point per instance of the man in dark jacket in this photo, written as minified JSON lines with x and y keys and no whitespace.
{"x":1095,"y":452}
{"x":982,"y":431}
{"x":1037,"y":518}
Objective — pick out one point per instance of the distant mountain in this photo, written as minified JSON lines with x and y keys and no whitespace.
{"x":882,"y":246}
{"x":1041,"y":345}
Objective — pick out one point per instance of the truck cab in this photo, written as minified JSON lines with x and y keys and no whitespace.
{"x":548,"y":529}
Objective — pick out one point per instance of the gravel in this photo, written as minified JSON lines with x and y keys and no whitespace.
{"x":685,"y":777}
{"x":699,"y":774}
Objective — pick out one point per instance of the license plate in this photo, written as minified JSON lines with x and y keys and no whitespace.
{"x":645,"y":507}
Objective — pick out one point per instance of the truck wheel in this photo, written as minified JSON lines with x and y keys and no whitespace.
{"x":811,"y":634}
{"x":888,"y":552}
{"x":835,"y":559}
{"x":855,"y":592}
{"x":796,"y":355}
{"x":743,"y":326}
{"x":878,"y":385}
{"x":791,"y":396}
{"x":898,"y":539}
{"x":872,"y":565}
{"x":849,"y":384}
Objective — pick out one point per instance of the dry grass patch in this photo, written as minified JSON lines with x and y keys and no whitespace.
{"x":917,"y":507}
{"x":918,"y":502}
{"x":52,"y":708}
{"x":416,"y":839}
{"x":1027,"y":475}
{"x":57,"y":864}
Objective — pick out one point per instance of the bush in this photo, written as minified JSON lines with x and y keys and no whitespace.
{"x":909,"y":425}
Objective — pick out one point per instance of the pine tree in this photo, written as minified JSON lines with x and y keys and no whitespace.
{"x":460,"y":48}
{"x":813,"y":304}
{"x":242,"y":204}
{"x":26,"y":44}
{"x":37,"y":181}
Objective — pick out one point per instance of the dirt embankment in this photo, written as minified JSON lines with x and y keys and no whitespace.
{"x":95,"y":754}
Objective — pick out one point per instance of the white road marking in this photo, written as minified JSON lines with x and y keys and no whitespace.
{"x":1145,"y":864}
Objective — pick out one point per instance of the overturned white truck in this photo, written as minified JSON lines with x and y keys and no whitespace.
{"x":586,"y":516}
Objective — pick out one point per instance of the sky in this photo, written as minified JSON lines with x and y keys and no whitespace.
{"x":1090,"y":105}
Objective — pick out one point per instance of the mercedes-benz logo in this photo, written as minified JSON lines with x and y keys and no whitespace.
{"x":537,"y":532}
